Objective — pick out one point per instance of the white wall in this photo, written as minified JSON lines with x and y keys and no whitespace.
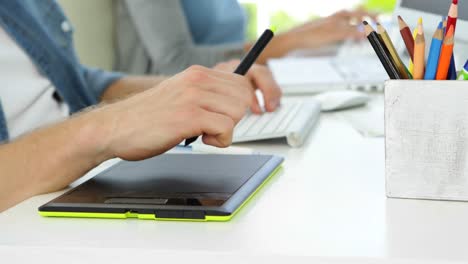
{"x":94,"y":31}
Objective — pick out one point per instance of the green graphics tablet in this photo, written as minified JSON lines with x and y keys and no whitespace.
{"x":192,"y":187}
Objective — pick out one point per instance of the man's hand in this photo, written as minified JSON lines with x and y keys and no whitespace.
{"x":198,"y":101}
{"x":261,"y":78}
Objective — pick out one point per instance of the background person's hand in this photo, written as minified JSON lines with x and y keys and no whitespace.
{"x":198,"y":101}
{"x":338,"y":27}
{"x":316,"y":34}
{"x":261,"y":78}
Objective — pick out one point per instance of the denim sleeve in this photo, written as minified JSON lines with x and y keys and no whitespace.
{"x":98,"y":80}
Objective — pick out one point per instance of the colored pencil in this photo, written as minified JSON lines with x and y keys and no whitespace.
{"x":407,"y":36}
{"x":444,"y":26}
{"x":393,"y":52}
{"x":419,"y":52}
{"x":452,"y":21}
{"x":410,"y":63}
{"x":453,"y":15}
{"x":464,"y":72}
{"x":434,"y":53}
{"x":452,"y":71}
{"x":445,"y":56}
{"x":381,"y":51}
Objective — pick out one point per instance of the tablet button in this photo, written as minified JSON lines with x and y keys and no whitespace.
{"x":194,"y":215}
{"x":169,"y":214}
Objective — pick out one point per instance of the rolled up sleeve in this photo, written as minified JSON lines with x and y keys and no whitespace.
{"x":98,"y":80}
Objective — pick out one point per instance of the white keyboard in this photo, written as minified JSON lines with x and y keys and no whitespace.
{"x":292,"y":121}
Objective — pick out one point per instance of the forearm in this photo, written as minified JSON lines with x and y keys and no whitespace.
{"x":129,"y":86}
{"x":279,"y":46}
{"x":50,"y":158}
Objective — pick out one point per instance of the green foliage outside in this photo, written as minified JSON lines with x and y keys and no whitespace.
{"x":282,"y":21}
{"x":251,"y":13}
{"x":382,"y":6}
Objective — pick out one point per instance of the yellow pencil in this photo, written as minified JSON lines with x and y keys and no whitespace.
{"x":419,"y":53}
{"x":393,"y":52}
{"x":411,"y":65}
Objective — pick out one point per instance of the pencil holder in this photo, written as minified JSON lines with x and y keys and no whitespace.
{"x":426,"y":139}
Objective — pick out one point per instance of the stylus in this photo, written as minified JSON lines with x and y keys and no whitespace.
{"x":247,"y":62}
{"x":206,"y":149}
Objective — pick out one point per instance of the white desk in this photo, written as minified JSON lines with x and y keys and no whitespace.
{"x":333,"y":207}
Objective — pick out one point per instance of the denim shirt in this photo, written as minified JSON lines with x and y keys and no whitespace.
{"x":42,"y":30}
{"x":214,"y":22}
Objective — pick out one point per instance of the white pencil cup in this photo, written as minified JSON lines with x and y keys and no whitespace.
{"x":426,"y":139}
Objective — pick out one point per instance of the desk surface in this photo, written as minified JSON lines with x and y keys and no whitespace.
{"x":338,"y":177}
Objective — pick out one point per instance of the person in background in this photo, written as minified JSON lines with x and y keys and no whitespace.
{"x":43,"y":82}
{"x":165,"y":37}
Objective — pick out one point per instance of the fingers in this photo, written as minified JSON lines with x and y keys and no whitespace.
{"x":228,"y":66}
{"x":255,"y":105}
{"x":221,"y":104}
{"x":217,"y":73}
{"x":217,"y":129}
{"x":226,"y":83}
{"x":355,"y":14}
{"x":239,"y":91}
{"x":262,"y":78}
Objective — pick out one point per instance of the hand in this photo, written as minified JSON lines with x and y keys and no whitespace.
{"x":261,"y":78}
{"x":329,"y":30}
{"x":198,"y":101}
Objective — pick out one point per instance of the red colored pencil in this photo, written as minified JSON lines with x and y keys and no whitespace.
{"x":407,"y":36}
{"x":452,"y":16}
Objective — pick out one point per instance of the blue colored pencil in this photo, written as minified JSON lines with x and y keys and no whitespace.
{"x":434,"y":53}
{"x":452,"y":73}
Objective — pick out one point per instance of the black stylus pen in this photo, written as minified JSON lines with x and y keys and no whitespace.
{"x":247,"y":62}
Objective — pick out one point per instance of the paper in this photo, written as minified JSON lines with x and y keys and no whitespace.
{"x":368,"y":120}
{"x":300,"y":71}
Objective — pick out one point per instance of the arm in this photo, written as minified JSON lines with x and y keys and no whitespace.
{"x":162,"y":29}
{"x":128,"y":86}
{"x":114,"y":86}
{"x":196,"y":102}
{"x":316,"y":34}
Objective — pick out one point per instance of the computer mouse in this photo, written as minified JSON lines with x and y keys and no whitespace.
{"x":340,"y":100}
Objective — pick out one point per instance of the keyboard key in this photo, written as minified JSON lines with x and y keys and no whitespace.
{"x":279,"y":124}
{"x":245,"y":125}
{"x":274,"y":123}
{"x":289,"y":117}
{"x":257,"y":128}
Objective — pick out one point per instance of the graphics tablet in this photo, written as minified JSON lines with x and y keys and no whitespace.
{"x":169,"y":187}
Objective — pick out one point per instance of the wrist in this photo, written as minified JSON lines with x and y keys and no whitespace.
{"x":95,"y":134}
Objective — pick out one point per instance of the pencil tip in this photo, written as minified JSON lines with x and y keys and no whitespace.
{"x":420,"y":21}
{"x":455,"y":2}
{"x":440,"y":25}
